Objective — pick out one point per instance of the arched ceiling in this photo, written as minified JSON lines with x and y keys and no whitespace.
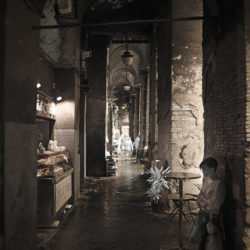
{"x":121,"y":77}
{"x":117,"y":70}
{"x":99,"y":11}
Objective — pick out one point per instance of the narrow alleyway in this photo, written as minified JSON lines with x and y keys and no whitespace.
{"x":114,"y":214}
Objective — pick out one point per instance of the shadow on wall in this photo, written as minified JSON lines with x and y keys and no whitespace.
{"x":229,"y":209}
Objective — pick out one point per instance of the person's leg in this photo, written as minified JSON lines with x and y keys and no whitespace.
{"x":199,"y":233}
{"x":204,"y":220}
{"x":126,"y":155}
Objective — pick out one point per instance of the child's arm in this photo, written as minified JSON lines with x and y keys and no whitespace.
{"x":200,"y":200}
{"x":214,"y":203}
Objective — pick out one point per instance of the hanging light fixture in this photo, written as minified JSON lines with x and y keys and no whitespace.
{"x":127,"y":58}
{"x":127,"y":86}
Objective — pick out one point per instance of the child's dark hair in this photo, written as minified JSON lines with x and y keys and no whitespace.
{"x":210,"y":162}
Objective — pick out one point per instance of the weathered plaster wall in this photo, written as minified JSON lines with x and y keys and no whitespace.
{"x":45,"y":75}
{"x":180,"y":108}
{"x":21,"y":63}
{"x":96,"y":107}
{"x":70,"y":56}
{"x":61,"y":46}
{"x":50,"y":40}
{"x":225,"y":113}
{"x":187,"y":138}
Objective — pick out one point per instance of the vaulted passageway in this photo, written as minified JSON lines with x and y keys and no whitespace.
{"x":62,"y":79}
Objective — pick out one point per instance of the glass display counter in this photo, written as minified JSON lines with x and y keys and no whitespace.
{"x":54,"y":174}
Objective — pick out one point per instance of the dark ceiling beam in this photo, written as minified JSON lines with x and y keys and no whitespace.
{"x":76,"y":25}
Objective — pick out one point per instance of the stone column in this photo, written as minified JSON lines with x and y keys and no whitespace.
{"x":84,"y":88}
{"x":96,"y":112}
{"x":142,"y":108}
{"x":164,"y":88}
{"x":131,"y":118}
{"x":147,"y":112}
{"x":187,"y":107}
{"x":153,"y":126}
{"x":136,"y":112}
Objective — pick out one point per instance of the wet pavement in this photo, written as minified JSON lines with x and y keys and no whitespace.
{"x":113,"y":213}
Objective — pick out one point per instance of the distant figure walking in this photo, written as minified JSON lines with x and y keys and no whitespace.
{"x":128,"y":147}
{"x":136,"y":145}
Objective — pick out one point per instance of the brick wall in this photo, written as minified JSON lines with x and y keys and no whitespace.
{"x":225,"y":112}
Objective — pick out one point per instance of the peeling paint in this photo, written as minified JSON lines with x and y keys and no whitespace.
{"x":177,"y":57}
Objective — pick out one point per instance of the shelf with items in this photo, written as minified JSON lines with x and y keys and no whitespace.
{"x":45,"y":119}
{"x":45,"y":106}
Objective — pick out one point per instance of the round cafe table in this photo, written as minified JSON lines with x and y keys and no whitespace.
{"x":181,"y":176}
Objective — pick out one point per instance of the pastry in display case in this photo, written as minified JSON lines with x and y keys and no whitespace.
{"x":53,"y":164}
{"x":54,"y":174}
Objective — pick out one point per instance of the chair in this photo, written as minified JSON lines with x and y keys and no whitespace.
{"x":185,"y":200}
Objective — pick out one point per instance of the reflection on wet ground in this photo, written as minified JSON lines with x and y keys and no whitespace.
{"x":114,"y":214}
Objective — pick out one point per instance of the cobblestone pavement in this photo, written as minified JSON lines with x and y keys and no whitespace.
{"x":113,"y":214}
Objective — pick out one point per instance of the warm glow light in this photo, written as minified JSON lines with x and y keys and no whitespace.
{"x":126,"y":87}
{"x":38,"y":85}
{"x":59,"y":98}
{"x":127,"y":58}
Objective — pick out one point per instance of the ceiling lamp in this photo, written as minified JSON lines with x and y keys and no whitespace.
{"x":126,"y":87}
{"x":127,"y":58}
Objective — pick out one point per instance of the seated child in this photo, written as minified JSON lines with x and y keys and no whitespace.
{"x":208,"y":233}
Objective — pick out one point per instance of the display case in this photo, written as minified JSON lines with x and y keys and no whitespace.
{"x":54,"y":173}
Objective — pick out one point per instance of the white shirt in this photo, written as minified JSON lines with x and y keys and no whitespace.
{"x":212,"y":195}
